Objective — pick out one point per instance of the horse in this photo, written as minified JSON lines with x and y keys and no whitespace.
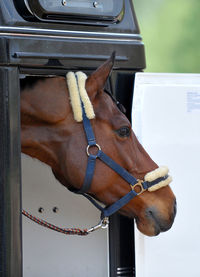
{"x":50,"y":133}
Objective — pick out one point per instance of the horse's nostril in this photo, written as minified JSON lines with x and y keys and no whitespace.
{"x":175,"y":207}
{"x":152,"y":214}
{"x":160,"y":224}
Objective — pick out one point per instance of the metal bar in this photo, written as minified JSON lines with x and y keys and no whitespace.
{"x":10,"y":196}
{"x":66,"y":33}
{"x":33,"y":55}
{"x":121,"y":229}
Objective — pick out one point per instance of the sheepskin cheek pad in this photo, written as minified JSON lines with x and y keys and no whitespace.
{"x":158,"y":173}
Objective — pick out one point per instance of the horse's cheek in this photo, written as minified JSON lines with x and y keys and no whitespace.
{"x":74,"y":166}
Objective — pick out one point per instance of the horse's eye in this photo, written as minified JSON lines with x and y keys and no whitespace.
{"x":124,"y":132}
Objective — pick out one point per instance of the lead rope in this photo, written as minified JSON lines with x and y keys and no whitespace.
{"x":67,"y":231}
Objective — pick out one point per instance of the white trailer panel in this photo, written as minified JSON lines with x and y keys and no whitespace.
{"x":166,"y":119}
{"x":47,"y":253}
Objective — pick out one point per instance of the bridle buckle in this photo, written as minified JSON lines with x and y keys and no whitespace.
{"x":138,"y":185}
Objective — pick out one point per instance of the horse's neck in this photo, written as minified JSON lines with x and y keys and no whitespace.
{"x":44,"y":109}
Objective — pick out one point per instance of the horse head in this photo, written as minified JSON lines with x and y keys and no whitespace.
{"x":50,"y":133}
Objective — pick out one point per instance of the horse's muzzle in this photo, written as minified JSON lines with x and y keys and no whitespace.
{"x":160,"y":223}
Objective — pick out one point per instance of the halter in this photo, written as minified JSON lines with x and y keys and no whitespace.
{"x":83,"y":111}
{"x":149,"y":183}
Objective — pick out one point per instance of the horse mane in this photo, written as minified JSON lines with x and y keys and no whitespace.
{"x":30,"y":81}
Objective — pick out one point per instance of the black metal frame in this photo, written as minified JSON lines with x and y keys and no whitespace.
{"x":121,"y":229}
{"x":10,"y":180}
{"x":36,"y":48}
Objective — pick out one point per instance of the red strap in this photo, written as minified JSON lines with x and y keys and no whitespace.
{"x":66,"y":231}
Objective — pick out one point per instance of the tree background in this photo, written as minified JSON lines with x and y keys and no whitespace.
{"x":171,"y":33}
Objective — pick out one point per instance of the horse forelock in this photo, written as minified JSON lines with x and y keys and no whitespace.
{"x":78,"y":95}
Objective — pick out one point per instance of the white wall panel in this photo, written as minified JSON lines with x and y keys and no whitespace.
{"x":47,"y":253}
{"x":166,"y":119}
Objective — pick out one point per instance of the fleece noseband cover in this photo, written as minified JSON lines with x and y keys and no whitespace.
{"x":158,"y":173}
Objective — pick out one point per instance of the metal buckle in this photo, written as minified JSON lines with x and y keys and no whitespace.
{"x":94,"y":145}
{"x":140,"y":185}
{"x":103,"y":224}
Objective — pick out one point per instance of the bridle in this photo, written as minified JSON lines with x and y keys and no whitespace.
{"x":135,"y":184}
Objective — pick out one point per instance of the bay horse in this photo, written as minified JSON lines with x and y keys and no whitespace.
{"x":50,"y":133}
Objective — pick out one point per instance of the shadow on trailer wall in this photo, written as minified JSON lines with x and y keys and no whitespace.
{"x":36,"y":39}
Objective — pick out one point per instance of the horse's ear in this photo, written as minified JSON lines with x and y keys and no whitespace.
{"x":97,"y":80}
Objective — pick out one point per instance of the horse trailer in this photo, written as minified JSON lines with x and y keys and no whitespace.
{"x":166,"y":112}
{"x":49,"y":38}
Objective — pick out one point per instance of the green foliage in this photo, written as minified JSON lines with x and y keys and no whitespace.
{"x":171,"y":34}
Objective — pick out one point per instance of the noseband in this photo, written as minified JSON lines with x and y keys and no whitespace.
{"x":151,"y":180}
